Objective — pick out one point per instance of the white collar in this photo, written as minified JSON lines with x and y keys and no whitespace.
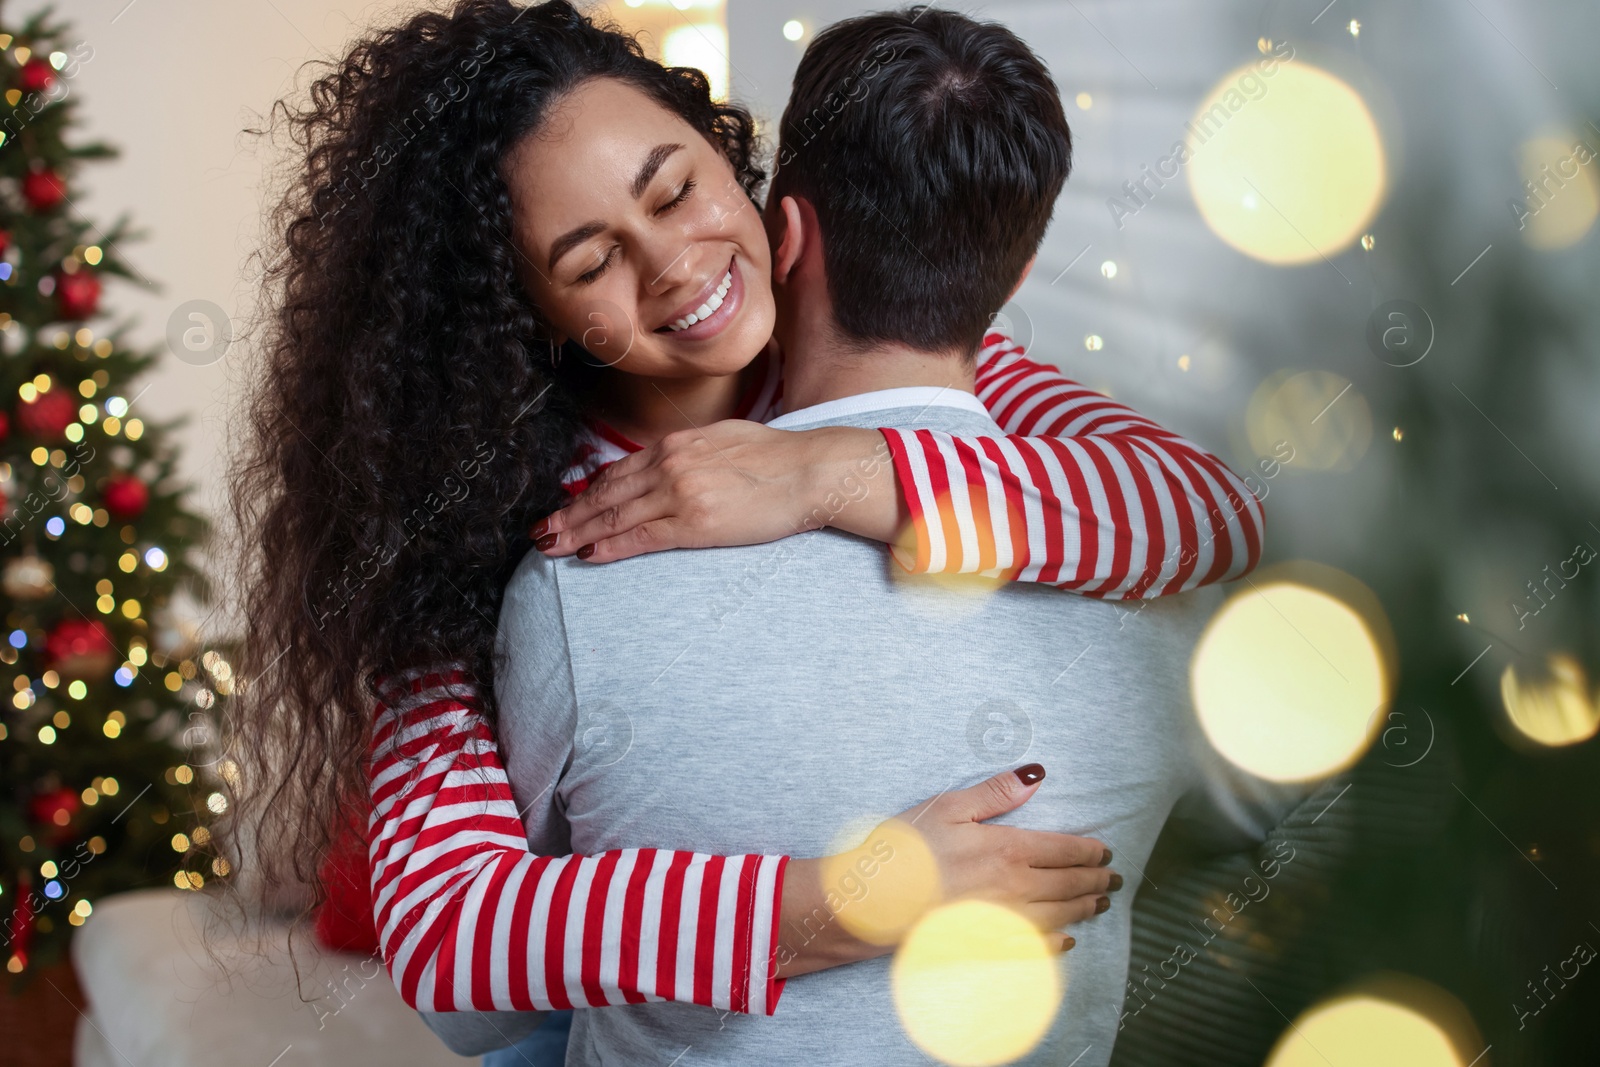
{"x":913,"y":396}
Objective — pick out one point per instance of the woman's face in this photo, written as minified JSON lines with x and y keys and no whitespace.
{"x":636,"y":240}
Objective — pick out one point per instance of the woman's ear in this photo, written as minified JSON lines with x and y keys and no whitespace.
{"x":792,"y":244}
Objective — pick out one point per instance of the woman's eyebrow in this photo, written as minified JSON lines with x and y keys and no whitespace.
{"x":572,"y":239}
{"x":652,"y":163}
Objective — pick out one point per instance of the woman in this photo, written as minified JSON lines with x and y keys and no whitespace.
{"x":429,"y":381}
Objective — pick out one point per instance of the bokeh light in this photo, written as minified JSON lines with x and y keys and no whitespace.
{"x":879,"y":888}
{"x":1289,"y":679}
{"x":975,"y":984}
{"x":1559,"y":710}
{"x":1287,"y":168}
{"x":703,"y":45}
{"x":1562,"y":196}
{"x":1318,"y":414}
{"x":966,"y":526}
{"x":1391,"y":1020}
{"x":1364,"y":1031}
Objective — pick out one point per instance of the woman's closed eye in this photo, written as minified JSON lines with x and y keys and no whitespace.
{"x":591,"y":275}
{"x":683,"y":193}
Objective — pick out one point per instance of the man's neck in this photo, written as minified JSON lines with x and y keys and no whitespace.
{"x":818,"y":370}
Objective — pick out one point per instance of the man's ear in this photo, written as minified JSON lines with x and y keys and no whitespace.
{"x":1025,"y":272}
{"x":792,"y":246}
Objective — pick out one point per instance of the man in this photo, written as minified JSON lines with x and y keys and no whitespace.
{"x":838,"y":693}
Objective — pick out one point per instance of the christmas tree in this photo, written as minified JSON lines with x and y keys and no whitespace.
{"x":106,"y":754}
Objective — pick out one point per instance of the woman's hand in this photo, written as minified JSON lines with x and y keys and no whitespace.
{"x":859,"y":904}
{"x":732,"y":483}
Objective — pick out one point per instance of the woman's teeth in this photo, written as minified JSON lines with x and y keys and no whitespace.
{"x":706,"y":310}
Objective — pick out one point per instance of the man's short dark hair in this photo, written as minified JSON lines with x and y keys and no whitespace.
{"x":933,"y":147}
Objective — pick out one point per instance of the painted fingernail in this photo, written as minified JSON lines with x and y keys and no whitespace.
{"x":1105,"y":857}
{"x":586,"y":551}
{"x":546,"y":543}
{"x":1067,"y":943}
{"x":1116,"y":882}
{"x":540,"y":528}
{"x":1101,"y":905}
{"x":1033,"y":772}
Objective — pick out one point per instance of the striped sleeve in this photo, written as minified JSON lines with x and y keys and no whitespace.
{"x":1082,"y":493}
{"x":469,"y":919}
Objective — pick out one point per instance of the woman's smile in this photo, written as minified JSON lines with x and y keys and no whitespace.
{"x":706,"y":315}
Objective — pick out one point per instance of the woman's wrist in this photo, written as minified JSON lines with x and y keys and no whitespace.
{"x":810,"y":935}
{"x":850,"y":483}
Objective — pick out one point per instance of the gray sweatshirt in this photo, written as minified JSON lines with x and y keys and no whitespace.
{"x":777,"y":698}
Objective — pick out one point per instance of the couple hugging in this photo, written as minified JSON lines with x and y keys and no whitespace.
{"x":652,"y":785}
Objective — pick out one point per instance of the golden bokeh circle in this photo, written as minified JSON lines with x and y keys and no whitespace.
{"x":1555,"y":711}
{"x":1315,"y":416}
{"x":879,"y":888}
{"x":1286,"y":167}
{"x":1564,"y":198}
{"x":1386,"y":1020}
{"x":975,"y":984}
{"x":1290,"y":680}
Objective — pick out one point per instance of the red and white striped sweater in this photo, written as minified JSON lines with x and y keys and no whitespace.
{"x":1083,"y":493}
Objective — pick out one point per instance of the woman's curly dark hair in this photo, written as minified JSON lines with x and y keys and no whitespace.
{"x":407,"y":425}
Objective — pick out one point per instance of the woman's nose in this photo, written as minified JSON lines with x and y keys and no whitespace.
{"x":669,"y":267}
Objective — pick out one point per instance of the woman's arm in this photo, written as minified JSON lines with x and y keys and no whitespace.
{"x":1083,"y":493}
{"x":470,"y":920}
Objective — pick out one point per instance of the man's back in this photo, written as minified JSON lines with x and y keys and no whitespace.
{"x":787,"y":697}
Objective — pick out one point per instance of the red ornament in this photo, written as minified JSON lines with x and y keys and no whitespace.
{"x":81,"y":648}
{"x":48,"y":415}
{"x":20,"y":928}
{"x":36,"y":76}
{"x":5,"y":241}
{"x":125,"y":497}
{"x":43,"y":189}
{"x":53,"y":811}
{"x":5,"y":426}
{"x":77,"y":294}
